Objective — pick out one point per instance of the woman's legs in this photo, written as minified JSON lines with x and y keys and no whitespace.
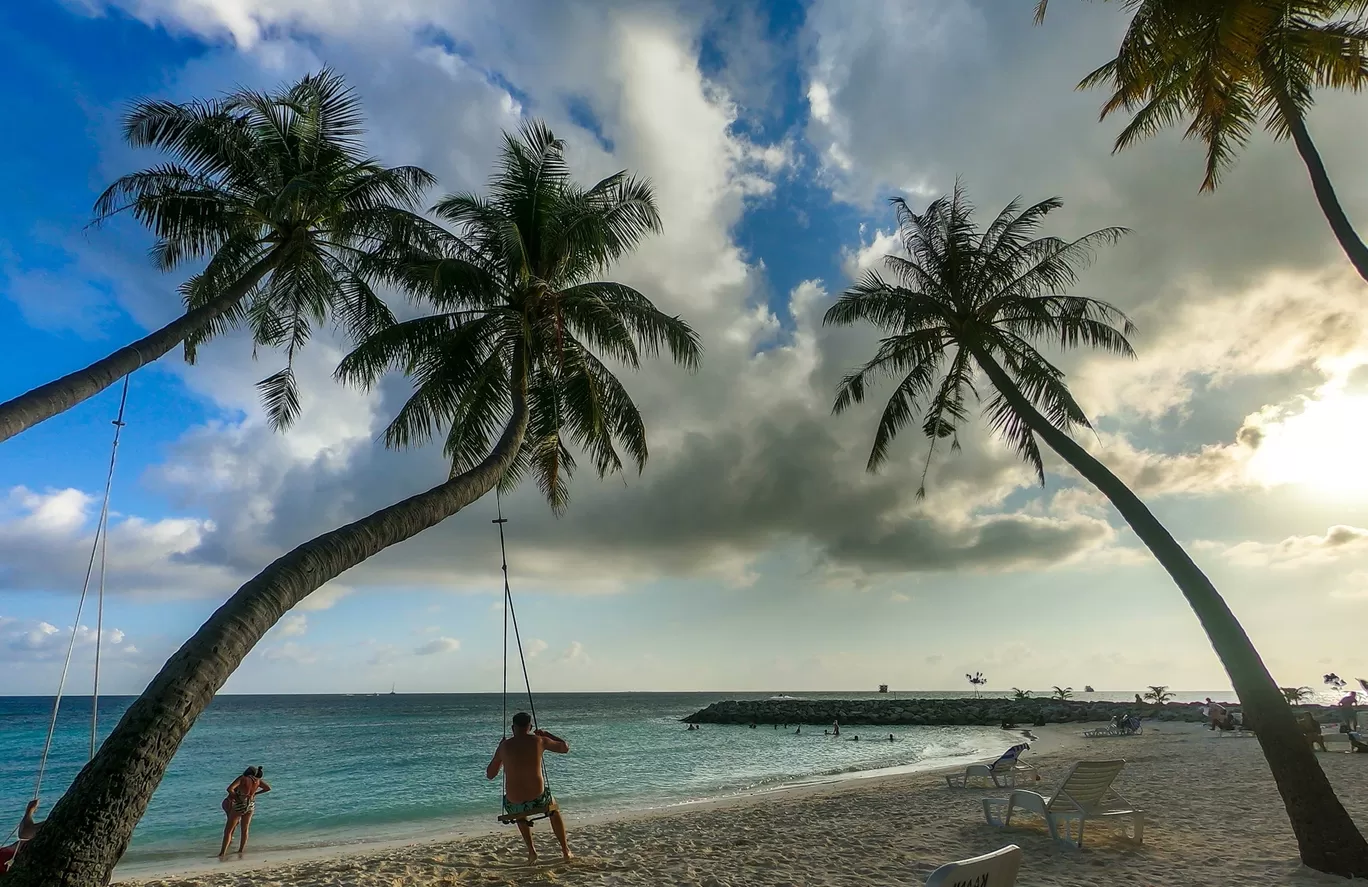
{"x":228,"y":833}
{"x":246,"y":824}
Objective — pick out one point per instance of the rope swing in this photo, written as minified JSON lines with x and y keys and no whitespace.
{"x":511,"y":616}
{"x":98,"y":547}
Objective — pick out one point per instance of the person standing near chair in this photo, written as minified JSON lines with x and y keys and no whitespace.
{"x":1347,"y":706}
{"x":525,"y":790}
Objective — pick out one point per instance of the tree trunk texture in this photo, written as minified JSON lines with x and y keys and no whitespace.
{"x":60,"y":395}
{"x":1344,"y":231}
{"x":1326,"y":835}
{"x":90,"y":827}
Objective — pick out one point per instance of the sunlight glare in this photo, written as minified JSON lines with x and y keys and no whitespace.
{"x":1321,"y":448}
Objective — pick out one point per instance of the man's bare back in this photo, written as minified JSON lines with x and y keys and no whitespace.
{"x":521,"y":757}
{"x":525,"y":792}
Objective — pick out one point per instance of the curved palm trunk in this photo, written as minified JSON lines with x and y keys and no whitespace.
{"x":60,"y":395}
{"x":90,"y":827}
{"x":1348,"y":238}
{"x":1328,"y":839}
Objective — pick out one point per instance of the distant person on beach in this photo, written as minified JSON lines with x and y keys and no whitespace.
{"x":1139,"y":701}
{"x":28,"y":827}
{"x":525,"y":790}
{"x":1347,"y":705}
{"x":1216,"y":715}
{"x":1311,"y":729}
{"x":240,"y":804}
{"x":835,"y":728}
{"x":890,"y":737}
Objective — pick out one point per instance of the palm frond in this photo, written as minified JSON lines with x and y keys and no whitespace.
{"x":989,"y":292}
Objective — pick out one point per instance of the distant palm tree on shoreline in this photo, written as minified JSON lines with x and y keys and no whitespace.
{"x":1159,"y":694}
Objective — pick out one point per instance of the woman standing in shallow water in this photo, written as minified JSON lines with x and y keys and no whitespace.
{"x":240,"y":804}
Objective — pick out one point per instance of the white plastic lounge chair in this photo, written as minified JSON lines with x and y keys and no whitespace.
{"x":1083,"y":796}
{"x":996,"y":869}
{"x":1003,"y":772}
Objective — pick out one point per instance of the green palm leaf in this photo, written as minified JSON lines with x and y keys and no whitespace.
{"x":966,"y":292}
{"x":517,"y":273}
{"x":276,"y":176}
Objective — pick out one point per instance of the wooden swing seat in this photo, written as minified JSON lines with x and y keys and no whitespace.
{"x":531,"y":815}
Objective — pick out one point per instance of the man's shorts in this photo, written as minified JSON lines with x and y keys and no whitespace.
{"x":525,"y":807}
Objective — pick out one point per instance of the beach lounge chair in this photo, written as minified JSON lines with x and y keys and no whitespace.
{"x":1082,"y":797}
{"x":1002,"y":772}
{"x":1130,"y":726}
{"x":996,"y":869}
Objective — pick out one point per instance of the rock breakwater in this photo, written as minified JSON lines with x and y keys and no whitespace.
{"x":947,"y":712}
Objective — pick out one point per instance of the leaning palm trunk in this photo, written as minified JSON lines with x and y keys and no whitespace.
{"x":1328,"y":839}
{"x":91,"y":825}
{"x":60,"y":395}
{"x":1344,"y":231}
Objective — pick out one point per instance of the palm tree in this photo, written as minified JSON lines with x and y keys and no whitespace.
{"x":976,"y":680}
{"x":964,"y":303}
{"x":1228,"y":65}
{"x":1063,"y":693}
{"x":1296,"y":695}
{"x":507,"y":364}
{"x":1020,"y":695}
{"x":1158,"y":694}
{"x":276,"y":191}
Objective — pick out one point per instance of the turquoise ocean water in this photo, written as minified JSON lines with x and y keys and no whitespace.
{"x":345,"y":769}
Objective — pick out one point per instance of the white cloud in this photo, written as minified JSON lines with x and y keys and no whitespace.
{"x":292,"y":625}
{"x":574,"y":655}
{"x":40,"y":641}
{"x":291,"y":652}
{"x":46,"y":540}
{"x":325,"y":597}
{"x":1338,"y":543}
{"x":438,"y":645}
{"x":534,"y":647}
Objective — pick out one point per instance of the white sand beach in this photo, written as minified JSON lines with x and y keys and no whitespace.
{"x":1214,"y":818}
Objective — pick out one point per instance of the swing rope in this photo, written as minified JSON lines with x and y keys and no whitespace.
{"x":511,"y":614}
{"x":99,"y":546}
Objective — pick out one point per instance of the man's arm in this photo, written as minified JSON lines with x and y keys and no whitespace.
{"x":27,"y":827}
{"x":494,"y":765}
{"x":552,"y":742}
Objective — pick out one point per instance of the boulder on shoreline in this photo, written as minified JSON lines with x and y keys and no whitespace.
{"x":951,"y":712}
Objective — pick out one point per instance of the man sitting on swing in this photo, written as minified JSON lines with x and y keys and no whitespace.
{"x":525,"y":790}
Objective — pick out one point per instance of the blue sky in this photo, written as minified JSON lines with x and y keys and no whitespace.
{"x":754,"y":552}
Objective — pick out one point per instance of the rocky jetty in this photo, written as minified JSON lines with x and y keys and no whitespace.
{"x":948,"y":712}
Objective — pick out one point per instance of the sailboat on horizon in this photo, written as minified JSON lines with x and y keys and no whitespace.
{"x":391,"y":692}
